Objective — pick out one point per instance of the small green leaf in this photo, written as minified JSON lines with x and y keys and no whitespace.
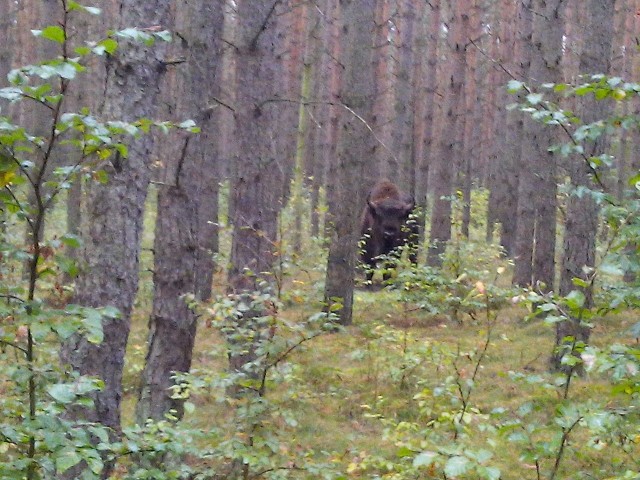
{"x":456,"y":466}
{"x":424,"y":459}
{"x":187,"y":124}
{"x":65,"y":329}
{"x":534,"y":98}
{"x":52,"y":32}
{"x":71,"y":240}
{"x":575,"y":299}
{"x":490,"y":473}
{"x":108,"y":45}
{"x":61,"y":392}
{"x":82,"y":51}
{"x":164,"y":35}
{"x":71,"y":6}
{"x":66,"y":460}
{"x":514,"y":86}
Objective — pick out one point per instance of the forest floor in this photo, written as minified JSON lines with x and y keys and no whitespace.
{"x":396,"y":367}
{"x":348,"y":389}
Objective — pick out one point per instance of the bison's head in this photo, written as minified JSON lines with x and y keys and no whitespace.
{"x":389,"y":216}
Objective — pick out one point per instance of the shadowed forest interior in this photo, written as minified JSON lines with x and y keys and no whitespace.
{"x":272,"y":239}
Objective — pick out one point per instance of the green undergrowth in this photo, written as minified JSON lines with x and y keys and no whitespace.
{"x":353,"y":392}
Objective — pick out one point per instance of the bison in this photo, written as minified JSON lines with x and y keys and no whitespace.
{"x":386,"y":226}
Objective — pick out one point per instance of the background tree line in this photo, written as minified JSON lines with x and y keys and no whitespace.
{"x":308,"y":104}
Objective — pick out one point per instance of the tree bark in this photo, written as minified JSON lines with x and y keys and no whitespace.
{"x":537,"y":187}
{"x":112,"y":239}
{"x":354,"y":146}
{"x":450,"y":135}
{"x":582,"y":210}
{"x":404,"y":86}
{"x":182,"y":261}
{"x":257,"y":185}
{"x":430,"y":89}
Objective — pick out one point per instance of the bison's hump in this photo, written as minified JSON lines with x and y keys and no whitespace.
{"x":384,"y":189}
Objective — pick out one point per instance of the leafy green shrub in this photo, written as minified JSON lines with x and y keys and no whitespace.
{"x":257,"y":442}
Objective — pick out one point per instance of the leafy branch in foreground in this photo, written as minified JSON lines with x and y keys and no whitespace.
{"x":37,"y":438}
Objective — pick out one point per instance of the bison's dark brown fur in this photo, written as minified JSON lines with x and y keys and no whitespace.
{"x":386,"y":226}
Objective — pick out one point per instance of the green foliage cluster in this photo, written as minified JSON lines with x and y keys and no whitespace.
{"x":452,"y":433}
{"x":254,"y":439}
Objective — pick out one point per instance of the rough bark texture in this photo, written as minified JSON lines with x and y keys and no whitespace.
{"x":430,"y":89}
{"x":517,"y":216}
{"x":537,"y":187}
{"x":7,"y":35}
{"x":257,"y":186}
{"x":582,"y":210}
{"x":470,"y":123}
{"x":505,"y":172}
{"x":354,"y":147}
{"x":385,"y":163}
{"x":179,"y":253}
{"x":450,"y":134}
{"x":327,"y":78}
{"x":112,"y":239}
{"x":402,"y":132}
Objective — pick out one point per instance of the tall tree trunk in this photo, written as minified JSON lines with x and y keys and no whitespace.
{"x":470,"y":123}
{"x":354,"y":146}
{"x":544,"y":264}
{"x":7,"y":36}
{"x":85,"y":94}
{"x":257,"y":185}
{"x":112,"y":240}
{"x":429,"y":147}
{"x":579,"y":249}
{"x":384,"y":164}
{"x":186,"y":185}
{"x":502,"y":46}
{"x":404,"y":87}
{"x":300,"y":168}
{"x":537,"y":187}
{"x":451,"y":133}
{"x":327,"y":79}
{"x":525,"y":209}
{"x":505,"y":185}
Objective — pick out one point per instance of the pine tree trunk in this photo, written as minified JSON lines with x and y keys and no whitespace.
{"x":257,"y":186}
{"x":430,"y":135}
{"x":115,"y":210}
{"x":186,"y":185}
{"x":582,"y":211}
{"x":326,"y":79}
{"x":354,"y":146}
{"x":450,"y":135}
{"x":505,"y":184}
{"x":527,"y":189}
{"x":7,"y":36}
{"x":403,"y":86}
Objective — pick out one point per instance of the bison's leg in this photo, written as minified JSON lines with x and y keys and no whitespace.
{"x":390,"y":263}
{"x":369,"y":271}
